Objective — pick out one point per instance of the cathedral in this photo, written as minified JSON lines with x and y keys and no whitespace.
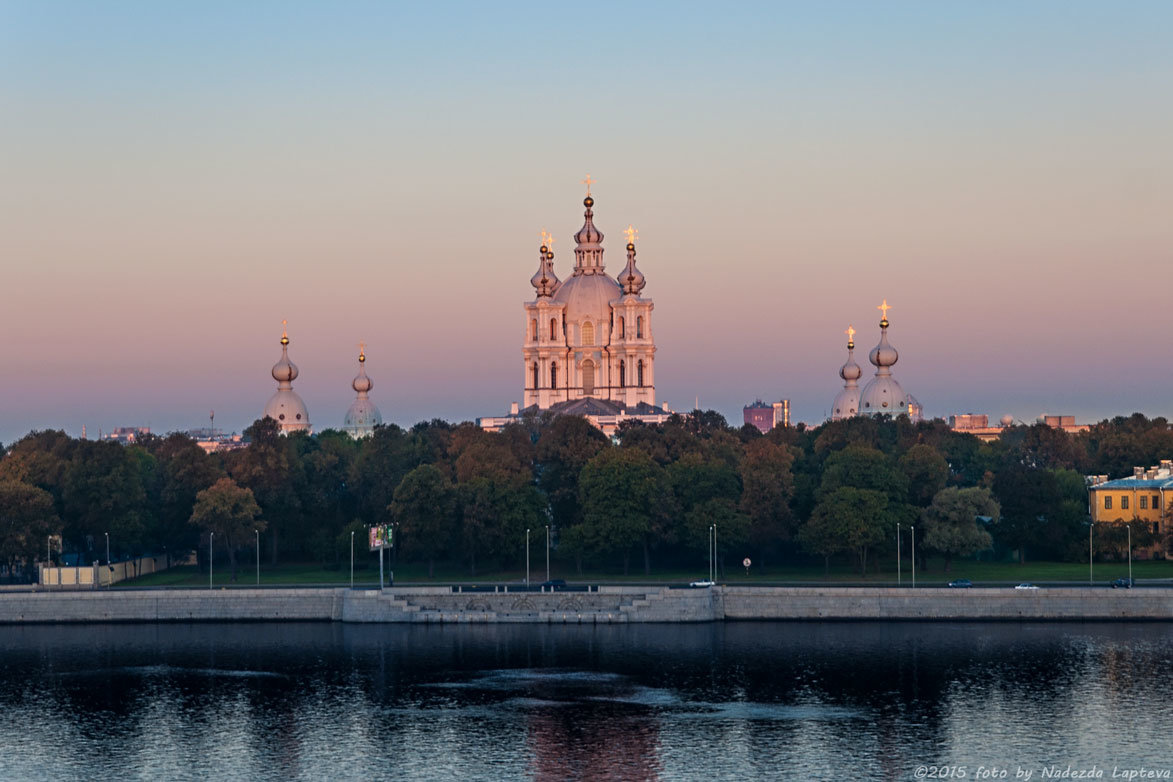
{"x":588,"y":347}
{"x":285,"y":407}
{"x":882,"y":395}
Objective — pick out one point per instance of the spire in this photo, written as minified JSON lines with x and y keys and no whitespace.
{"x":630,"y":279}
{"x":883,"y":355}
{"x":284,"y":371}
{"x":850,"y":371}
{"x":588,"y":254}
{"x":545,"y":282}
{"x":362,"y":384}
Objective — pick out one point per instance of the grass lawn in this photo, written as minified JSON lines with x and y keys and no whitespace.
{"x":416,"y":574}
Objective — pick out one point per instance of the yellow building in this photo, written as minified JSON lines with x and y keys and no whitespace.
{"x":1144,"y":497}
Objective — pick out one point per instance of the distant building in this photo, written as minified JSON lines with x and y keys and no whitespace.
{"x":766,"y":416}
{"x":605,"y":414}
{"x":1144,"y":496}
{"x":213,"y":440}
{"x":979,"y":425}
{"x":127,"y":435}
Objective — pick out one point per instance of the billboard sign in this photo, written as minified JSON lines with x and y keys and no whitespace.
{"x":379,"y":536}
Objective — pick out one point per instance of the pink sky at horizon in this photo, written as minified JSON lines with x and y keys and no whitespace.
{"x":168,"y":198}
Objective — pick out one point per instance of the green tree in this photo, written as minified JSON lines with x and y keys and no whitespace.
{"x":230,"y":512}
{"x":27,"y":517}
{"x":950,"y":524}
{"x":848,"y":519}
{"x":733,"y":527}
{"x":563,"y":449}
{"x":926,"y":471}
{"x":767,"y":488}
{"x":620,"y":490}
{"x":425,"y":508}
{"x":264,"y":467}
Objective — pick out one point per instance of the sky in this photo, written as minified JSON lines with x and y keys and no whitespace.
{"x":178,"y":178}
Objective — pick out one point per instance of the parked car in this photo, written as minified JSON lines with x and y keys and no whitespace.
{"x":1027,"y":586}
{"x":961,"y":583}
{"x":554,"y":584}
{"x":1123,"y":583}
{"x":702,"y":583}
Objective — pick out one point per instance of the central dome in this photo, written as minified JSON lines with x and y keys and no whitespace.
{"x":588,"y":296}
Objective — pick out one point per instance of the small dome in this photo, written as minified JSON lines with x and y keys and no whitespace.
{"x":589,"y":234}
{"x":850,"y":371}
{"x":883,"y":354}
{"x":846,"y":404}
{"x":631,"y":280}
{"x":362,"y":384}
{"x":286,"y":408}
{"x":1007,"y":420}
{"x":362,"y":418}
{"x":883,"y":396}
{"x":285,"y":371}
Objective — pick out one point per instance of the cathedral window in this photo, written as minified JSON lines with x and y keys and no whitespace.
{"x":622,"y":371}
{"x":622,"y":330}
{"x":588,"y":333}
{"x":553,"y":328}
{"x":639,"y":327}
{"x":535,"y":374}
{"x":639,"y":373}
{"x":553,"y":374}
{"x":588,"y":377}
{"x":533,"y":329}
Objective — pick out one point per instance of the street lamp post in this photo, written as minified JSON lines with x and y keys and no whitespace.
{"x":352,"y":559}
{"x":547,"y":552}
{"x":211,"y":537}
{"x":1090,"y":554}
{"x":258,"y":534}
{"x":913,"y":556}
{"x":527,"y":558}
{"x":710,"y":563}
{"x":714,"y":579}
{"x":109,"y":572}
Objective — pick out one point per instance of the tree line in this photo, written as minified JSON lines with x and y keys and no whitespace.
{"x":643,"y":500}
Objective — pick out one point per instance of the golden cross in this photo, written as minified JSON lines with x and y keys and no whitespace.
{"x":850,"y":334}
{"x":362,"y":351}
{"x":884,"y":308}
{"x":545,"y":236}
{"x":632,"y":233}
{"x":284,"y":331}
{"x":550,"y":242}
{"x":588,"y":182}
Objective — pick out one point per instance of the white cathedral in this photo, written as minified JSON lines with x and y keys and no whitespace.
{"x":882,"y":395}
{"x":588,"y":346}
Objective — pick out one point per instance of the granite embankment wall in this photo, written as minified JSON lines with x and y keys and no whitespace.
{"x":605,"y":606}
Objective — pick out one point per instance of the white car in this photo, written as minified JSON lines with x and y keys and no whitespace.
{"x":1026,"y":586}
{"x":700,"y":583}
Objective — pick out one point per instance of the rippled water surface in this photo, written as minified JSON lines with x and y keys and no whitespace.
{"x":704,"y":702}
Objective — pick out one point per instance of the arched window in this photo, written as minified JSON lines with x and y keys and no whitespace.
{"x":588,"y":333}
{"x":588,"y":377}
{"x":553,"y":328}
{"x":622,"y":374}
{"x":639,"y":369}
{"x":553,"y":374}
{"x":533,"y":329}
{"x":622,"y":329}
{"x":536,"y":374}
{"x":639,"y":327}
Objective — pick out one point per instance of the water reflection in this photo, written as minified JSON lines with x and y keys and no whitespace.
{"x":735,"y":701}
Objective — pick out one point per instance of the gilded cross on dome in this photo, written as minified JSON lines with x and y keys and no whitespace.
{"x":884,"y":308}
{"x":850,"y":333}
{"x":632,"y":233}
{"x":362,"y":351}
{"x":545,"y":237}
{"x":588,"y":182}
{"x":284,"y":331}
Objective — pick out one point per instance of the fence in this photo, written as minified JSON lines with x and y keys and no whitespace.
{"x":95,"y":575}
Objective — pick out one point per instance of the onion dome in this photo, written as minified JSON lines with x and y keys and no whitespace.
{"x":588,"y":252}
{"x":846,"y":402}
{"x":883,"y":395}
{"x":630,"y":279}
{"x":363,"y":416}
{"x":545,"y":282}
{"x":286,"y":407}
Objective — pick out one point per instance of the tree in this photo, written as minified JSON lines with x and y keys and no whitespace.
{"x":264,"y":468}
{"x":926,"y":470}
{"x":230,"y":511}
{"x":1025,"y":495}
{"x":425,"y":507}
{"x":848,"y":519}
{"x":951,"y":525}
{"x":733,"y":527}
{"x":767,"y":487}
{"x":27,"y":518}
{"x":621,"y":490}
{"x":563,"y":449}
